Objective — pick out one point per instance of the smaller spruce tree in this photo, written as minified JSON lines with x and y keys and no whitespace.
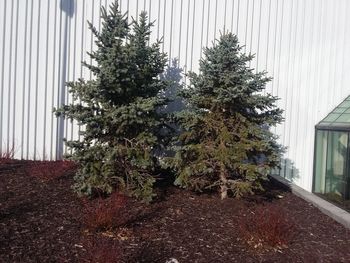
{"x":119,"y":109}
{"x":226,"y":144}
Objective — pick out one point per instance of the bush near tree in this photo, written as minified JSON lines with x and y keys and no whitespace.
{"x":119,"y":109}
{"x":226,"y":143}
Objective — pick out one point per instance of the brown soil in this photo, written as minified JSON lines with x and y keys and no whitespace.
{"x":40,"y":221}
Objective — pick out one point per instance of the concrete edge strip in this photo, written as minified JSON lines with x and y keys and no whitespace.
{"x":338,"y":214}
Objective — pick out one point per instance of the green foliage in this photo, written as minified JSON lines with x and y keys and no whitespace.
{"x":226,"y":144}
{"x":119,"y":109}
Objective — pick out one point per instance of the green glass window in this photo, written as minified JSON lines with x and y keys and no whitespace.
{"x":332,"y":156}
{"x":320,"y":161}
{"x":339,"y":117}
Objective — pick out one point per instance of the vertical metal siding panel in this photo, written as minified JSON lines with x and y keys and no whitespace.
{"x":69,"y":69}
{"x":15,"y":70}
{"x":340,"y":48}
{"x":54,"y":78}
{"x":196,"y":35}
{"x":180,"y":33}
{"x":58,"y":121}
{"x":82,"y":49}
{"x":29,"y":83}
{"x":258,"y":37}
{"x":171,"y":32}
{"x":16,"y":82}
{"x":237,"y":20}
{"x":76,"y":62}
{"x":193,"y":31}
{"x":137,"y":10}
{"x":225,"y":13}
{"x":91,"y":42}
{"x":202,"y":28}
{"x":297,"y":106}
{"x":3,"y":128}
{"x":282,"y":64}
{"x":268,"y":36}
{"x":38,"y":46}
{"x":288,"y":64}
{"x":327,"y":52}
{"x":262,"y":37}
{"x":24,"y":79}
{"x":158,"y":19}
{"x":318,"y":56}
{"x":208,"y":21}
{"x":310,"y":100}
{"x":149,"y":11}
{"x":324,"y":51}
{"x":291,"y":95}
{"x":34,"y":137}
{"x":164,"y":24}
{"x":275,"y":44}
{"x":332,"y":61}
{"x":292,"y":89}
{"x":268,"y":45}
{"x":9,"y":84}
{"x":303,"y":137}
{"x":187,"y":36}
{"x":5,"y":75}
{"x":45,"y":92}
{"x":2,"y":50}
{"x":251,"y":30}
{"x":246,"y":27}
{"x":280,"y":38}
{"x":220,"y":10}
{"x":51,"y":79}
{"x":312,"y":89}
{"x":215,"y":18}
{"x":336,"y":44}
{"x":232,"y":14}
{"x":345,"y":61}
{"x":68,"y":75}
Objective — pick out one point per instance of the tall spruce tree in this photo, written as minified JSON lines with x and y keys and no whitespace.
{"x":119,"y":109}
{"x":226,"y":144}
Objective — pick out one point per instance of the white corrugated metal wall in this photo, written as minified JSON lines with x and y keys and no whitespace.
{"x":303,"y":44}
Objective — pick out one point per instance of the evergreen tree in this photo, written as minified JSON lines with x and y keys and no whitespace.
{"x":225,"y":144}
{"x":119,"y":109}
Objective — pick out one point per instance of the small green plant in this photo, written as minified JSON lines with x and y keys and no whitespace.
{"x":225,"y":143}
{"x":120,"y":109}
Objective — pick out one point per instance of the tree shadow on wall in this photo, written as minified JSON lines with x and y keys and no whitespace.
{"x":68,"y":8}
{"x":173,"y":76}
{"x":287,"y":170}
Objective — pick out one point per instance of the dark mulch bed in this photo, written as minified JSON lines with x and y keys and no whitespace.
{"x":40,"y":221}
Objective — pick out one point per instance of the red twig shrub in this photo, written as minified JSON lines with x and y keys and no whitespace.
{"x":102,"y":251}
{"x":6,"y":157}
{"x":49,"y":170}
{"x":267,"y":226}
{"x":103,"y":214}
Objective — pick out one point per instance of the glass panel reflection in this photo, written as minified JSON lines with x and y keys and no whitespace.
{"x":331,"y":173}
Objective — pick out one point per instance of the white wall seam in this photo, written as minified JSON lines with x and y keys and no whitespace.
{"x":2,"y":75}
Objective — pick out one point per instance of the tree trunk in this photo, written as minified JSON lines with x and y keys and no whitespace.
{"x":223,"y":183}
